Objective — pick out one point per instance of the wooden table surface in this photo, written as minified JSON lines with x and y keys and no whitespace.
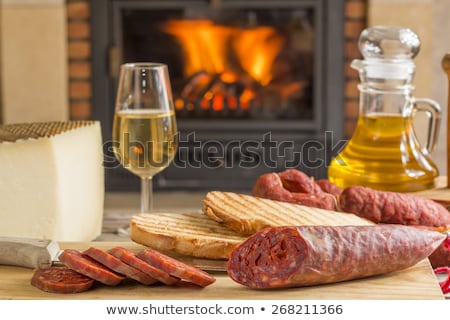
{"x":417,"y":282}
{"x":119,"y":206}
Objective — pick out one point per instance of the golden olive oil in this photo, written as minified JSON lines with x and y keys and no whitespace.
{"x":145,"y":141}
{"x":384,"y":154}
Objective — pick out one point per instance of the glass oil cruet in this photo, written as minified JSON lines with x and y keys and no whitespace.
{"x":384,"y":151}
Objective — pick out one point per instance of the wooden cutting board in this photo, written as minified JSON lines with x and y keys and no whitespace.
{"x":441,"y":193}
{"x":417,"y":282}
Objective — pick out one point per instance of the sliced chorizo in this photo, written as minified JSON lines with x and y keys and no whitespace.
{"x":282,"y":257}
{"x":176,"y":268}
{"x":119,"y":266}
{"x":392,"y":207}
{"x":60,"y":280}
{"x":83,"y":264}
{"x":129,"y":257}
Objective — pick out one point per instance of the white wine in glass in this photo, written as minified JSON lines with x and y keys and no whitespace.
{"x":145,"y":136}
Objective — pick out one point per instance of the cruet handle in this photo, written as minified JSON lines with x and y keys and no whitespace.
{"x":433,"y":109}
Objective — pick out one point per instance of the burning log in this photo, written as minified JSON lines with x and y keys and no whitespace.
{"x":217,"y":95}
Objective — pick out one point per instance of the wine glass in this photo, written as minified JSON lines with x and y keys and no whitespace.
{"x":144,"y":129}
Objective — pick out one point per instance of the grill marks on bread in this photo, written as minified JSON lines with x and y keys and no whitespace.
{"x":193,"y":224}
{"x":248,"y":214}
{"x":227,"y":219}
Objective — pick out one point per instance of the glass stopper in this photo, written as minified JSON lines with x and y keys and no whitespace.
{"x":389,"y":42}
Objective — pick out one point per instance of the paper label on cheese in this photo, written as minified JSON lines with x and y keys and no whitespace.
{"x":52,"y":181}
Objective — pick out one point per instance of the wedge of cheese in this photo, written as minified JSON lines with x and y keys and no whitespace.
{"x":51,"y":180}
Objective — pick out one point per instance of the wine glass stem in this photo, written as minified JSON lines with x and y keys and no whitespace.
{"x":146,"y":195}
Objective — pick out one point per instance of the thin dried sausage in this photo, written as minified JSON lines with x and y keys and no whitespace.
{"x":119,"y":266}
{"x":271,"y":187}
{"x":329,"y":187}
{"x":281,"y":257}
{"x":83,"y":264}
{"x":176,"y":268}
{"x":297,"y":181}
{"x":316,"y":200}
{"x":393,"y":207}
{"x":60,"y":280}
{"x":129,"y":257}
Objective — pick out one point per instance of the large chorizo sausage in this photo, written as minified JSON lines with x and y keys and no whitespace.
{"x":310,"y":255}
{"x":393,"y":207}
{"x":441,"y":256}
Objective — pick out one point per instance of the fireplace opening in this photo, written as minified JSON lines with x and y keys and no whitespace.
{"x":256,"y":84}
{"x":239,"y":63}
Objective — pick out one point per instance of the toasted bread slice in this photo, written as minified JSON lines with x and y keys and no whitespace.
{"x":193,"y":234}
{"x":248,"y":214}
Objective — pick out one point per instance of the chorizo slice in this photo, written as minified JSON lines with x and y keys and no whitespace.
{"x":176,"y":268}
{"x":129,"y":257}
{"x":392,"y":207}
{"x":83,"y":264}
{"x":60,"y":280}
{"x":119,"y":266}
{"x":282,"y":257}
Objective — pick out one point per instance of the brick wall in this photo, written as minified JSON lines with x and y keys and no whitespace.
{"x":355,"y":22}
{"x":80,"y":89}
{"x":79,"y":60}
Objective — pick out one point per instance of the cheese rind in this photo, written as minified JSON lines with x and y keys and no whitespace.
{"x":52,"y":187}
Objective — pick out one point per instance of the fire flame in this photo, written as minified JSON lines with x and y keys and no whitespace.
{"x":203,"y":43}
{"x":257,"y":49}
{"x":207,"y":47}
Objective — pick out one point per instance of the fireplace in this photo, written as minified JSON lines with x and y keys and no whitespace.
{"x":258,"y":85}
